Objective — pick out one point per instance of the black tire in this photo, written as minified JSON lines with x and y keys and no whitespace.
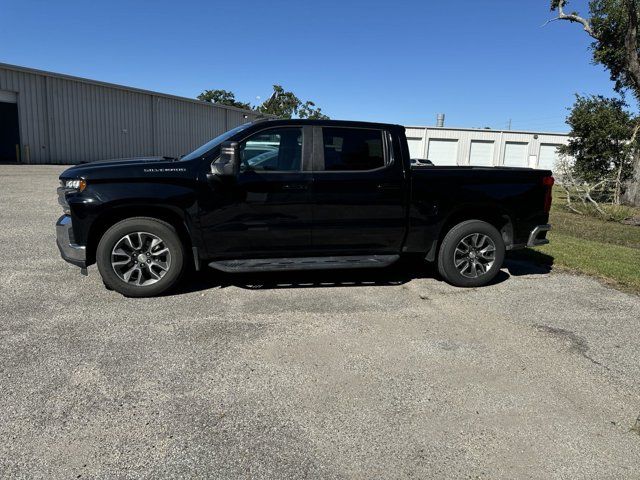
{"x":448,"y":257}
{"x":164,"y":231}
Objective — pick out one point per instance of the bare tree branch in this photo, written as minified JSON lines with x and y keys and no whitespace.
{"x":587,"y":195}
{"x":569,"y":204}
{"x":625,"y":68}
{"x":572,"y":17}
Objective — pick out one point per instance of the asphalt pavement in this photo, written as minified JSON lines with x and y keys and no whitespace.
{"x":357,"y":374}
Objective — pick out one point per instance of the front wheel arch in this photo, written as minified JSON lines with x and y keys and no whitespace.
{"x":117,"y":214}
{"x":111,"y":254}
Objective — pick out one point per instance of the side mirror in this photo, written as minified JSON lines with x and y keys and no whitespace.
{"x":228,"y":164}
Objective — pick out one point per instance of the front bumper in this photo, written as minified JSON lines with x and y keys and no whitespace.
{"x":70,"y":252}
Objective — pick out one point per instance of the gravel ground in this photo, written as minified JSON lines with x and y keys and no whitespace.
{"x":371,"y":374}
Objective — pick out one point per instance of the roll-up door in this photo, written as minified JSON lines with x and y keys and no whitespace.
{"x":9,"y":127}
{"x":415,"y":147}
{"x":481,"y":153}
{"x":515,"y":154}
{"x":549,"y":156}
{"x":443,"y":151}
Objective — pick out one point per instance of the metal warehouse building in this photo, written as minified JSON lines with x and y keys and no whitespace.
{"x":468,"y":146}
{"x":52,"y":118}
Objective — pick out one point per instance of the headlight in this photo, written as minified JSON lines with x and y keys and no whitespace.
{"x":76,"y":184}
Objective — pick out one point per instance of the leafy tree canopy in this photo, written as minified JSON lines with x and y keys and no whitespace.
{"x":281,"y":103}
{"x":613,"y":25}
{"x":600,"y":131}
{"x":223,"y":97}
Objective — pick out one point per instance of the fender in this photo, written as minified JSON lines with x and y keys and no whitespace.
{"x":104,"y":204}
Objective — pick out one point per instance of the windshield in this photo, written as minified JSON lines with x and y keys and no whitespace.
{"x":200,"y":151}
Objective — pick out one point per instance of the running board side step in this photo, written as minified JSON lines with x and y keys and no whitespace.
{"x":303,"y":263}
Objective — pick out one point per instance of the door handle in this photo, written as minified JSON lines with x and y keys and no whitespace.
{"x":294,"y":186}
{"x":388,"y":186}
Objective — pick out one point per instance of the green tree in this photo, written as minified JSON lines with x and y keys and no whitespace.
{"x":281,"y":104}
{"x":613,"y":25}
{"x":284,"y":104}
{"x":223,"y":97}
{"x":600,"y":132}
{"x":309,"y":110}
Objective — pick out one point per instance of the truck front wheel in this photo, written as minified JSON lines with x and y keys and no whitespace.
{"x":140,"y":257}
{"x":471,"y":254}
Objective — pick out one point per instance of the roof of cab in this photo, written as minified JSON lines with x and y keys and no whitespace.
{"x":327,"y":123}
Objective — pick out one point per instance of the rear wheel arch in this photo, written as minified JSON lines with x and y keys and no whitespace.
{"x":499,"y":218}
{"x":494,"y":216}
{"x":471,"y":254}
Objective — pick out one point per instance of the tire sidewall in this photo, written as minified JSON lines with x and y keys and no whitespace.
{"x":446,"y":264}
{"x":161,"y":229}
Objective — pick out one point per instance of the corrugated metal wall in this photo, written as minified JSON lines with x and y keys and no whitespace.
{"x":70,"y":120}
{"x":419,"y":141}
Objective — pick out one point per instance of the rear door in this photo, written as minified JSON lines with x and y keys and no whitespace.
{"x":357,"y":193}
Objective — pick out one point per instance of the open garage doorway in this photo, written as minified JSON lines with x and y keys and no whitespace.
{"x":9,"y":130}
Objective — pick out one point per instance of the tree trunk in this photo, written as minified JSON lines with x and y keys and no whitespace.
{"x":632,"y":191}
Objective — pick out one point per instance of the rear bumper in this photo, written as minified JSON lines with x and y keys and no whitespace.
{"x":538,"y":236}
{"x":70,"y":252}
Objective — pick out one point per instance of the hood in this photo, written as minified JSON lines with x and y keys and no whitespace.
{"x":116,"y":161}
{"x":123,"y":167}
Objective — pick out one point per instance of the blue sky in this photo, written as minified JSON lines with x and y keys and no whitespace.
{"x":480,"y":62}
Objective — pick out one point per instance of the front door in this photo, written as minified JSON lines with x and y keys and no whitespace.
{"x":265,"y":211}
{"x":9,"y":133}
{"x":358,"y":192}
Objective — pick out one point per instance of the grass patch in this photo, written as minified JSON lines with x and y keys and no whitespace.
{"x":591,"y":228}
{"x":589,"y":245}
{"x":614,"y":213}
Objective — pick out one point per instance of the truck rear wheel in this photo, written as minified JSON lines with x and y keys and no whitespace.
{"x":140,"y":257}
{"x":471,"y":254}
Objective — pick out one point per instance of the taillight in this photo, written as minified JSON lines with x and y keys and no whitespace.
{"x":548,"y":183}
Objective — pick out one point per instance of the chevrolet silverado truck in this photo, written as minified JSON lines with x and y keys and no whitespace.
{"x":295,"y":194}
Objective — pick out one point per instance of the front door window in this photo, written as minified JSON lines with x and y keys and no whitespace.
{"x":274,"y":150}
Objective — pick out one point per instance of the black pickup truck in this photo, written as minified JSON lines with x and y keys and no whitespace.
{"x":295,"y":194}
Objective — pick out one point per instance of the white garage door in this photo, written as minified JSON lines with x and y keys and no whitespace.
{"x":548,"y":157}
{"x":515,"y":154}
{"x":415,"y":147}
{"x":443,"y":152}
{"x":481,"y":153}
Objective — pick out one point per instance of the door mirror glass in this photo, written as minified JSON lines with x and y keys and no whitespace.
{"x":228,"y":163}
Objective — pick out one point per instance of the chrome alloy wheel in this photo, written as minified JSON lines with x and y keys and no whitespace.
{"x":474,"y":256}
{"x":140,"y":258}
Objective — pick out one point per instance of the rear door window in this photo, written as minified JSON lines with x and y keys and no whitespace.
{"x":352,"y":149}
